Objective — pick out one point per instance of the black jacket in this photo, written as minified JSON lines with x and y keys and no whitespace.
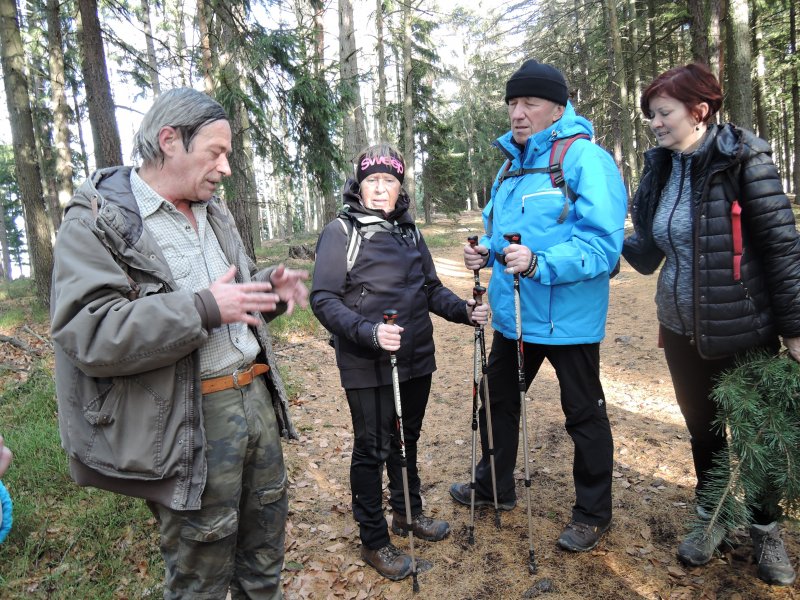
{"x":730,"y":315}
{"x":393,"y":270}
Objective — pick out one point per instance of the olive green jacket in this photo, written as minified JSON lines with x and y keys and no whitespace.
{"x":126,"y":347}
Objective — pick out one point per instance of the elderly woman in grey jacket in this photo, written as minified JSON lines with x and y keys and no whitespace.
{"x":711,"y":208}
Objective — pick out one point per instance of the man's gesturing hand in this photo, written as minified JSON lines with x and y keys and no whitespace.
{"x":288,"y":284}
{"x":236,"y":301}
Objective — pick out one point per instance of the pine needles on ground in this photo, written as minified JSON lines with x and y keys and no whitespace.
{"x":759,"y":407}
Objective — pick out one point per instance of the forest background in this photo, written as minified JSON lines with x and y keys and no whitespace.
{"x":306,"y":90}
{"x":307,"y":84}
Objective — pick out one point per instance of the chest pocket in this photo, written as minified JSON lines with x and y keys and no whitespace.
{"x":179,"y":265}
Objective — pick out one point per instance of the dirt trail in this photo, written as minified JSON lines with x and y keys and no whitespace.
{"x":653,"y":478}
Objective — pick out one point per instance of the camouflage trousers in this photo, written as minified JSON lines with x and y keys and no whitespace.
{"x":236,"y":540}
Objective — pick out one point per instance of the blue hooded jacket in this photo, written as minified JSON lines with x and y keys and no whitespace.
{"x":566,"y":300}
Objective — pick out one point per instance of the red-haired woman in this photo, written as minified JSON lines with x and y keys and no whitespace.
{"x":711,"y":208}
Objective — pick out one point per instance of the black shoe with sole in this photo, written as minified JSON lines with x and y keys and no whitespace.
{"x":460,"y":492}
{"x":423,"y":527}
{"x":581,"y":537}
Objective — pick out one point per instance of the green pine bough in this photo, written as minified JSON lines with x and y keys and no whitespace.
{"x":759,"y":407}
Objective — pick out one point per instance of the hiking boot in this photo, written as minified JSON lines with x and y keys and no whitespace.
{"x":581,"y":537}
{"x":698,"y":547}
{"x":774,"y":565}
{"x":425,"y":528}
{"x":388,"y":561}
{"x":461,"y":494}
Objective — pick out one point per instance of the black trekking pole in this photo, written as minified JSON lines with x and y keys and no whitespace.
{"x":516,"y":238}
{"x":389,"y":317}
{"x":480,"y":345}
{"x":473,"y":241}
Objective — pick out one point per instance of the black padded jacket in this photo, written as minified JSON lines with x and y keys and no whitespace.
{"x":392,"y":270}
{"x":730,"y":315}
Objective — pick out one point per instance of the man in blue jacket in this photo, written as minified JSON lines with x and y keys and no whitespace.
{"x":570,"y":243}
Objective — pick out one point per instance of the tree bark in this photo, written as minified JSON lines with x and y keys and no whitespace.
{"x":107,"y":145}
{"x":698,"y":30}
{"x":27,"y":168}
{"x":795,"y":99}
{"x":58,"y":96}
{"x":760,"y":82}
{"x":408,"y":111}
{"x":619,"y":92}
{"x":740,"y":85}
{"x":152,"y":61}
{"x":354,"y":134}
{"x":383,"y":128}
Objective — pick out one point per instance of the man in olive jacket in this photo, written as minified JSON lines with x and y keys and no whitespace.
{"x":159,"y":323}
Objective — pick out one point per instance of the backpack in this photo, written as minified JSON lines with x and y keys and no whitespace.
{"x":557,"y":153}
{"x":363,"y":227}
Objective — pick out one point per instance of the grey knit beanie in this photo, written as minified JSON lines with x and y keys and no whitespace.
{"x":538,"y":80}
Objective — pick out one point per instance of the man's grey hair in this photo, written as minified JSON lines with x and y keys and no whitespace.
{"x":185,"y":109}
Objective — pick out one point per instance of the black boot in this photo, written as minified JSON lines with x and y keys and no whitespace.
{"x":425,"y":528}
{"x":388,"y":561}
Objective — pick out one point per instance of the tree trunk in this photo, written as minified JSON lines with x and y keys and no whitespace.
{"x":44,"y":145}
{"x":740,"y":85}
{"x":651,"y":32}
{"x":714,"y":37}
{"x":698,"y":30}
{"x":78,"y":125}
{"x":152,"y":61}
{"x":617,"y":91}
{"x":27,"y":169}
{"x":383,"y":129}
{"x":354,"y":134}
{"x":760,"y":83}
{"x":205,"y":46}
{"x":795,"y":99}
{"x":107,"y":146}
{"x":58,"y":97}
{"x":240,"y":187}
{"x":408,"y":111}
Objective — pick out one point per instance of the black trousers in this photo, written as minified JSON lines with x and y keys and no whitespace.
{"x":693,"y":378}
{"x":377,"y":442}
{"x":583,"y":402}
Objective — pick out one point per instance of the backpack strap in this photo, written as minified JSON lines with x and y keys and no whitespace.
{"x":362,"y":228}
{"x":557,"y":153}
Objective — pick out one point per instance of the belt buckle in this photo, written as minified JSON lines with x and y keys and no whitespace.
{"x":237,"y":372}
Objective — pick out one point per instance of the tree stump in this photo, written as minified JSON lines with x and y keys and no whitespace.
{"x":303,"y":251}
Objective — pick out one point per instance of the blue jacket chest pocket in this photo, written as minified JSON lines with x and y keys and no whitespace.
{"x":547,"y":204}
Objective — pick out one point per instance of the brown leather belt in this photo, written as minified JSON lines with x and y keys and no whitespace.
{"x":239,"y":379}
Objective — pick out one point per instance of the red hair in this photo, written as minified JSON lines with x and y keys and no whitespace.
{"x":690,"y":85}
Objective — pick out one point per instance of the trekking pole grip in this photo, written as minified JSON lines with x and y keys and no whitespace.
{"x":513,"y":238}
{"x":477,"y":294}
{"x":389,"y":316}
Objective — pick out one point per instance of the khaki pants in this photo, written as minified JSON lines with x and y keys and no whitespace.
{"x":236,"y":539}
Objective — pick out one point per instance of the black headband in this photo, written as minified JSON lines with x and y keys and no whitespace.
{"x":379,"y":164}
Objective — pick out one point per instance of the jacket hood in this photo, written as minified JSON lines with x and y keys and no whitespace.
{"x":351,"y":196}
{"x":568,"y":125}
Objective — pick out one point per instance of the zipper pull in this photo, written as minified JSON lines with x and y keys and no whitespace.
{"x":523,"y":205}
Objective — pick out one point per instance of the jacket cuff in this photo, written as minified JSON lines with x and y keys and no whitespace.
{"x":207,"y":307}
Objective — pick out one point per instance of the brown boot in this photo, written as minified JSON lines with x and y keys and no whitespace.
{"x":388,"y":561}
{"x":425,"y":528}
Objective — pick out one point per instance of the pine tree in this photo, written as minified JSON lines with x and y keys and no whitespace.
{"x":759,"y":407}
